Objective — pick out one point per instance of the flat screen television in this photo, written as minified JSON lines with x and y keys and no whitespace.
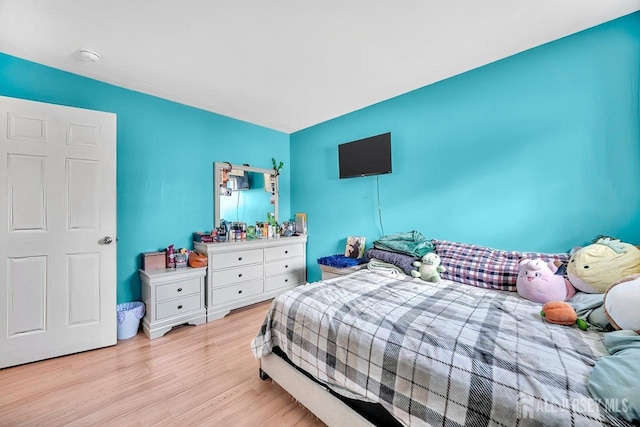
{"x":365,"y":157}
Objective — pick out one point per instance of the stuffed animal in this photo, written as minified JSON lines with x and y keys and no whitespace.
{"x":561,"y":313}
{"x":429,"y":269}
{"x":621,"y":302}
{"x":593,"y":268}
{"x":538,"y":282}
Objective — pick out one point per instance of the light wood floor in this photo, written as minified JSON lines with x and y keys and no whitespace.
{"x":195,"y":375}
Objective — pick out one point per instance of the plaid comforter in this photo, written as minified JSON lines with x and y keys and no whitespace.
{"x":437,"y":354}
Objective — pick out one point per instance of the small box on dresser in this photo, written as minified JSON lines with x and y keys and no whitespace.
{"x":246,"y":272}
{"x":172,"y":297}
{"x":154,"y":261}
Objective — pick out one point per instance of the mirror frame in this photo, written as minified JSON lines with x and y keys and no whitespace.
{"x":216,"y":186}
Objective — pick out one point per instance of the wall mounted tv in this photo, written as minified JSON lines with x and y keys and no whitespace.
{"x":365,"y":157}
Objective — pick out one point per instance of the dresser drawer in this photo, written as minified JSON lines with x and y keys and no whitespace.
{"x":236,"y":258}
{"x":280,"y":252}
{"x":286,"y":265}
{"x":235,"y":275}
{"x":177,"y":306}
{"x":239,"y":291}
{"x":291,"y":278}
{"x":177,"y":289}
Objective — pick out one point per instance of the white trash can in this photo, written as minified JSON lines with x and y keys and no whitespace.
{"x":129,"y":315}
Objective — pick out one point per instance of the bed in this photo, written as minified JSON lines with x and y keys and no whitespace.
{"x":428,"y":353}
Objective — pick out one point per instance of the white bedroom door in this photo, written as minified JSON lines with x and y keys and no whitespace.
{"x":57,"y":230}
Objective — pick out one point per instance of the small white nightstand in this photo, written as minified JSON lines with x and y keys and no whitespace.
{"x":172,"y":297}
{"x":331,"y":272}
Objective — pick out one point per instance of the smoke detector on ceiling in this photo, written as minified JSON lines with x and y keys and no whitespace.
{"x":89,"y":55}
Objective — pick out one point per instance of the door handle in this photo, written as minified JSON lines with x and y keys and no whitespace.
{"x":107,"y":240}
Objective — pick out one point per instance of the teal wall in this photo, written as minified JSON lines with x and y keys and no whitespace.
{"x":165,"y":158}
{"x":539,"y":151}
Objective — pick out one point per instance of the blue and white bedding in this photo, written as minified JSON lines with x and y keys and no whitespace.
{"x":437,"y":353}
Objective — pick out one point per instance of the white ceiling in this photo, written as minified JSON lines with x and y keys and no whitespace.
{"x":286,"y":64}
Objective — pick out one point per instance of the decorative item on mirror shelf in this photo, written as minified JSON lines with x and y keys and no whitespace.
{"x":277,"y":167}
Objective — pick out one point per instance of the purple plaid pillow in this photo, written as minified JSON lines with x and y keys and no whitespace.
{"x":485,"y":267}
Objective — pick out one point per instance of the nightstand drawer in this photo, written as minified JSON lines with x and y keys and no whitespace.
{"x":236,"y":258}
{"x":241,"y":290}
{"x":177,"y":289}
{"x":177,"y":306}
{"x":280,"y":252}
{"x":284,"y":266}
{"x":235,"y":275}
{"x":283,"y":280}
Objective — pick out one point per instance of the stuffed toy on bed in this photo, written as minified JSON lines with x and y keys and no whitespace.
{"x":621,"y":302}
{"x":562,"y":313}
{"x":429,"y":268}
{"x":594,"y":268}
{"x":538,"y":281}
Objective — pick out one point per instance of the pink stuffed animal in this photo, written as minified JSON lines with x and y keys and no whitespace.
{"x":538,"y":282}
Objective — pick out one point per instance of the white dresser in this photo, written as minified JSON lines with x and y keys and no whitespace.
{"x":243,"y":273}
{"x":172,"y":297}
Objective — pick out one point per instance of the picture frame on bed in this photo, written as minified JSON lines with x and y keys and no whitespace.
{"x":355,"y":247}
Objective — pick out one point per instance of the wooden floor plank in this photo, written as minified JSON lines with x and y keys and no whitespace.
{"x":200,"y":375}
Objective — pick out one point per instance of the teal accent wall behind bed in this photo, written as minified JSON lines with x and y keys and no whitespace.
{"x":536,"y":152}
{"x":165,"y":158}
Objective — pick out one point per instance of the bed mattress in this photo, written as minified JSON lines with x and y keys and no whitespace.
{"x":435,"y":354}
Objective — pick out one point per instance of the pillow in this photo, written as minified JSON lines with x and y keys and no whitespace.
{"x":614,"y":379}
{"x":402,"y":261}
{"x":485,"y":267}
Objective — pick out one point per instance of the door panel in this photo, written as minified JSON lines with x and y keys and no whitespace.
{"x":83,"y":194}
{"x":27,"y":196}
{"x":27,"y":294}
{"x":57,"y":203}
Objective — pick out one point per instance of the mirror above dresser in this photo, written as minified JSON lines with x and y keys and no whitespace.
{"x":245,"y":271}
{"x":244,"y":193}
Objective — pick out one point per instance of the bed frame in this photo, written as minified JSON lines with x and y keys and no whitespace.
{"x":328,"y":408}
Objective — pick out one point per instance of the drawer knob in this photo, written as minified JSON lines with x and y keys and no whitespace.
{"x":286,"y":280}
{"x":239,"y":258}
{"x":286,"y":266}
{"x":240,"y":291}
{"x":286,"y":252}
{"x":180,"y":306}
{"x":240,"y":275}
{"x":179,"y":289}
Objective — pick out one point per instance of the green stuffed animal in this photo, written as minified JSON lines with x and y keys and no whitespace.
{"x":429,"y":268}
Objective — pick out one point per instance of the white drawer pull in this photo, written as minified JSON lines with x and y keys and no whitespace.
{"x":180,"y":306}
{"x":179,"y":289}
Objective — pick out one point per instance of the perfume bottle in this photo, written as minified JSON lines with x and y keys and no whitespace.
{"x":171,"y":257}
